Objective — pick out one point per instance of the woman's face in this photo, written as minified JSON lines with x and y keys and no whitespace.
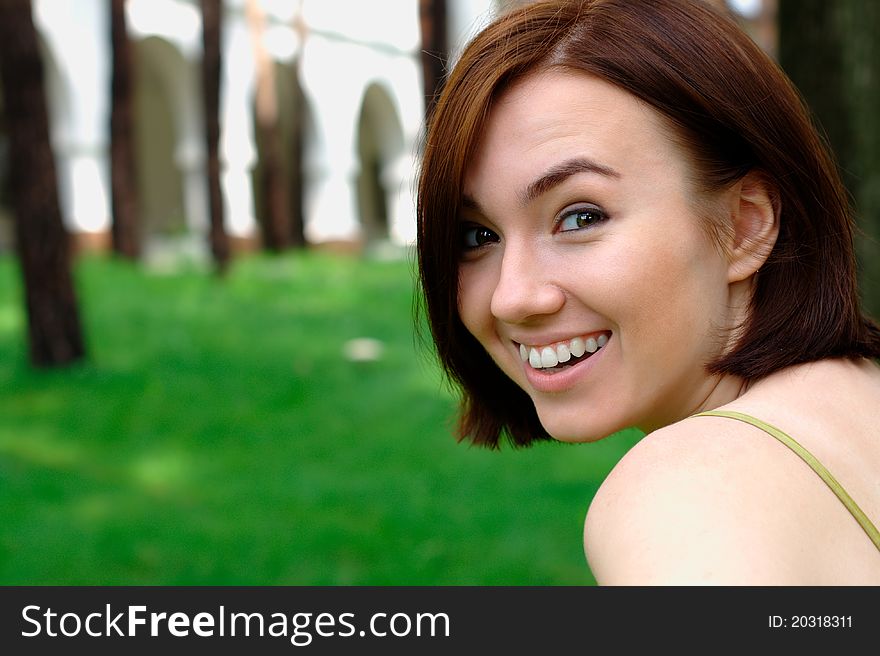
{"x":586,"y":273}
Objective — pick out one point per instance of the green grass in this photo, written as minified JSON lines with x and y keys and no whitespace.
{"x":216,"y":435}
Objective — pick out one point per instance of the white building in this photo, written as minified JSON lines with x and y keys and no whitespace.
{"x":354,"y":64}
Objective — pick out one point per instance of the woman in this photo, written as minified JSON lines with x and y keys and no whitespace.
{"x":627,"y":219}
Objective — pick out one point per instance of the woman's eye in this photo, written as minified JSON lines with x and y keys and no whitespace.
{"x":474,"y":236}
{"x":582,"y":217}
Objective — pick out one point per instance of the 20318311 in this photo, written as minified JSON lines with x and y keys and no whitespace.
{"x":810,"y":622}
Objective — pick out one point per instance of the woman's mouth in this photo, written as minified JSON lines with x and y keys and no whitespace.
{"x":556,"y":357}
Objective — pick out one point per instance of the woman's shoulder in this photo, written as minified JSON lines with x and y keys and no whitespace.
{"x":704,"y":501}
{"x":714,"y":500}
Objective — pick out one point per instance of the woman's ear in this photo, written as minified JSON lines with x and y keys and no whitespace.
{"x":754,"y":216}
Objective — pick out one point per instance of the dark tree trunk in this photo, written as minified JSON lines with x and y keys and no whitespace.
{"x":54,"y":332}
{"x":126,"y":227}
{"x":274,"y":200}
{"x":432,"y":15}
{"x":831,"y":52}
{"x":297,"y":216}
{"x":211,"y":67}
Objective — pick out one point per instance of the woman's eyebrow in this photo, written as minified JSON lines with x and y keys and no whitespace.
{"x":558,"y":173}
{"x":469,"y":203}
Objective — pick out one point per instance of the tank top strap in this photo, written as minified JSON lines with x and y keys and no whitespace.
{"x":811,"y":460}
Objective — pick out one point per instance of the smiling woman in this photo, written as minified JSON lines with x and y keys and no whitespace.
{"x":627,"y":219}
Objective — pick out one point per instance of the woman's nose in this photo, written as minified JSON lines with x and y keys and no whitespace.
{"x":524,"y":290}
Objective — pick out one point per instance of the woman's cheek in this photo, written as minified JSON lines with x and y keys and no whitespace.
{"x":475,"y":290}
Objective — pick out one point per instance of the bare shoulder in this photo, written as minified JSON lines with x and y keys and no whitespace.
{"x":704,"y":501}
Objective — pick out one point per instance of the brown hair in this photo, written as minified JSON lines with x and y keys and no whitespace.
{"x":733,"y":111}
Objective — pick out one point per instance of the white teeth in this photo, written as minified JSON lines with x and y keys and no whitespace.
{"x":535,"y":359}
{"x":563,"y":354}
{"x":549,"y":356}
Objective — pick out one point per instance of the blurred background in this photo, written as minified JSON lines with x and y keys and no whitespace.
{"x":211,"y":370}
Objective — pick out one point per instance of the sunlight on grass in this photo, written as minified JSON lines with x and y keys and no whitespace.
{"x":161,"y":472}
{"x":93,"y":509}
{"x":10,"y":319}
{"x":38,"y":450}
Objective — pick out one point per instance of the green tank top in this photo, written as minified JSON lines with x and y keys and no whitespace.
{"x":808,"y":458}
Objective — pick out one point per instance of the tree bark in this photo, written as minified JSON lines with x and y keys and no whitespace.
{"x":211,"y":68}
{"x":297,"y":170}
{"x":831,"y":52}
{"x":54,"y":332}
{"x":126,"y":226}
{"x":275,"y":202}
{"x":432,"y":15}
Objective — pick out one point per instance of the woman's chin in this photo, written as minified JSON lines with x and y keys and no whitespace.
{"x":575,"y":434}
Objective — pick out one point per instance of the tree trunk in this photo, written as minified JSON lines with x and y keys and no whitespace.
{"x":126,"y":227}
{"x":274,"y":202}
{"x":211,"y":68}
{"x":831,"y":52}
{"x":54,"y":332}
{"x":297,"y":212}
{"x":432,"y":15}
